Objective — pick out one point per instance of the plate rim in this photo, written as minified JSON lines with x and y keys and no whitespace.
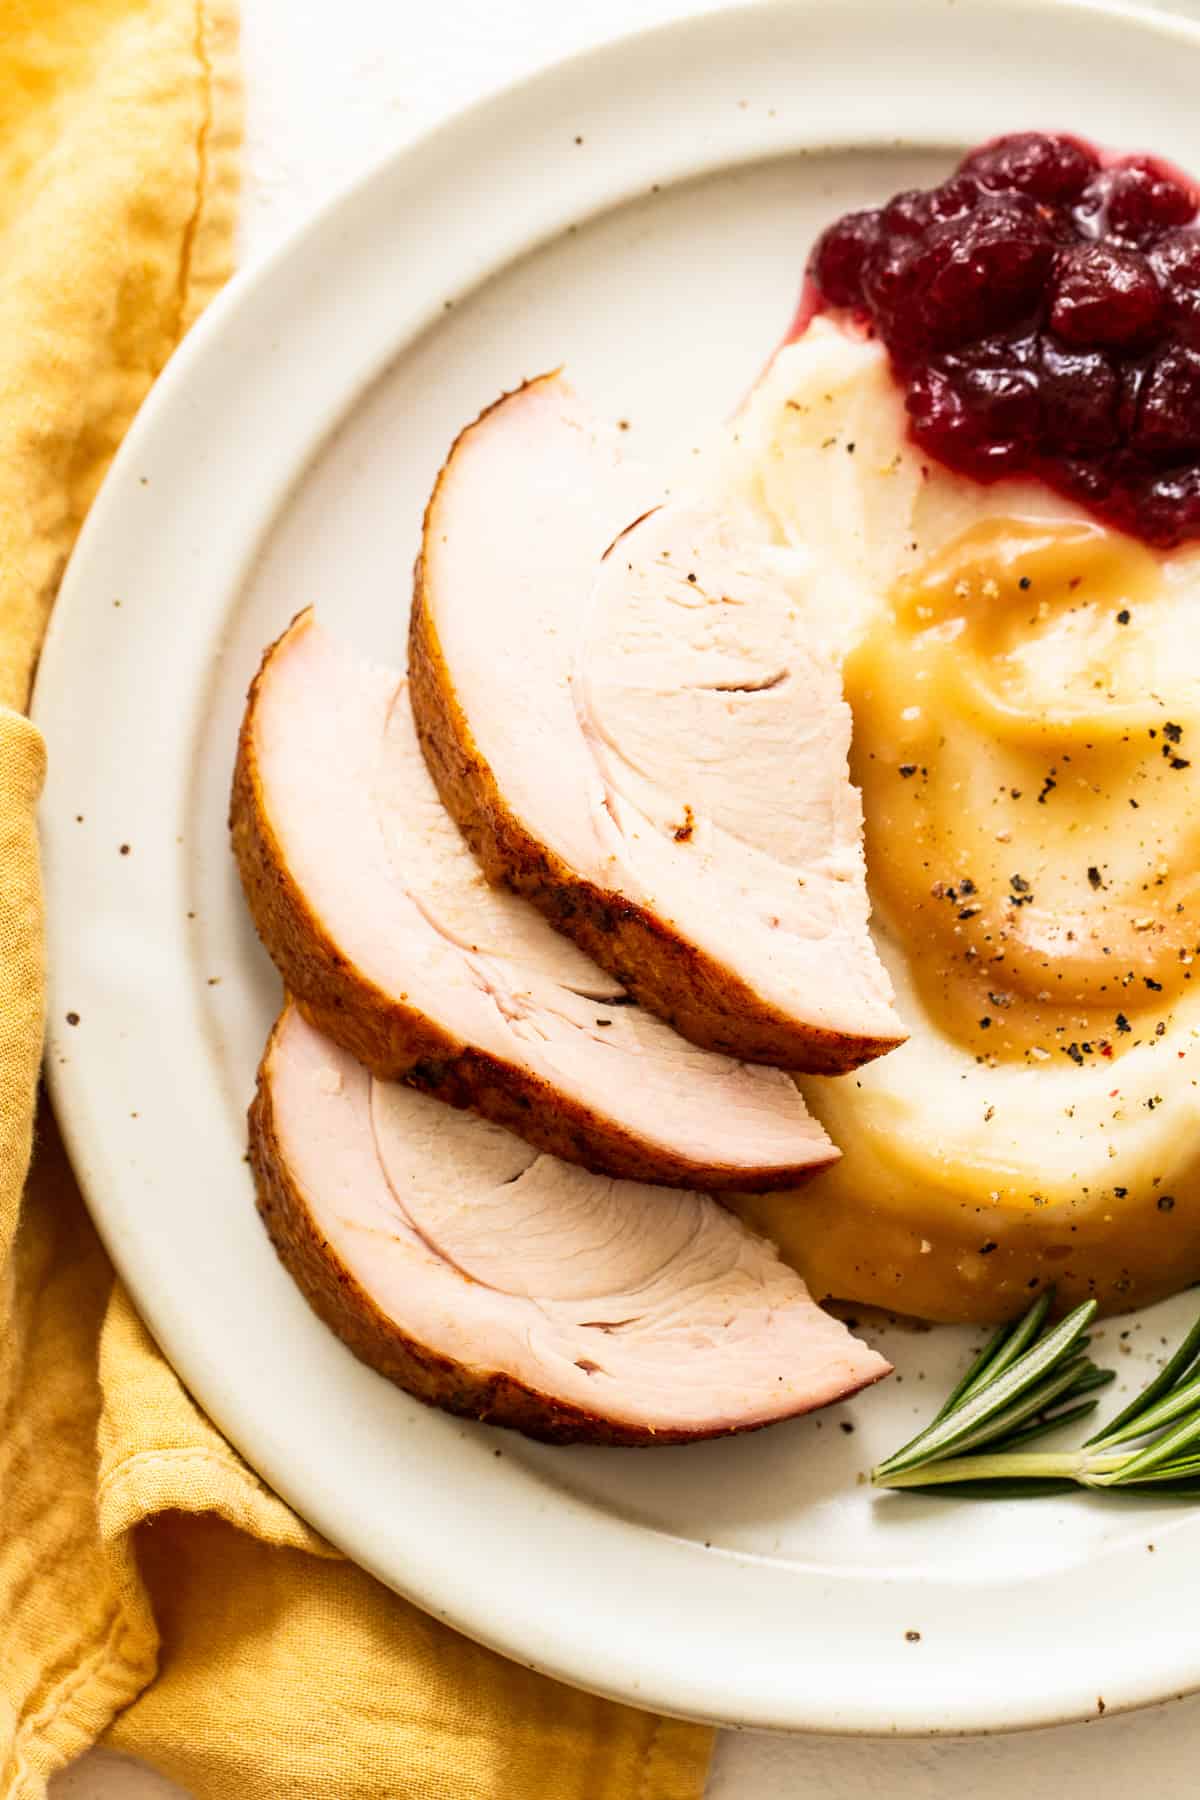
{"x":72,"y":1077}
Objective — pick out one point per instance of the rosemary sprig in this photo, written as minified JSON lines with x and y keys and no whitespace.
{"x":1030,"y":1380}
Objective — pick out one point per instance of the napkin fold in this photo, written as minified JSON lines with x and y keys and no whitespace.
{"x":152,"y":1590}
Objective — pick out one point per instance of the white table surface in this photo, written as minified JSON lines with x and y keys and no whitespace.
{"x":332,"y":85}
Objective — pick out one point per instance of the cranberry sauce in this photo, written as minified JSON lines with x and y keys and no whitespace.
{"x":1042,"y":310}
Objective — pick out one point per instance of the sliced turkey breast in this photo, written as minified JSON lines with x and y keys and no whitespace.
{"x":386,"y":931}
{"x":500,"y":1283}
{"x":633,"y":729}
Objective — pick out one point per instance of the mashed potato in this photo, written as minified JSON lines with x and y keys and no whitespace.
{"x":1026,"y":694}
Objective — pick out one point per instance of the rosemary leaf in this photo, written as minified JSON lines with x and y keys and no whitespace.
{"x":995,"y":1397}
{"x":1028,"y":1382}
{"x":1030,"y":1403}
{"x":1009,"y":1343}
{"x":1162,"y":1450}
{"x":1140,"y":1423}
{"x":1171,"y":1373}
{"x":1058,"y":1465}
{"x":1092,"y":1377}
{"x":1186,"y":1468}
{"x":1044,"y":1426}
{"x":976,"y":1373}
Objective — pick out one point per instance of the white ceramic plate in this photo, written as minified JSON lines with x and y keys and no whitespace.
{"x":641,"y":214}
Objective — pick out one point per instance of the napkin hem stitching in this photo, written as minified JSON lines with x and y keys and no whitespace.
{"x":151,"y":1457}
{"x":86,"y":1681}
{"x":289,"y":1531}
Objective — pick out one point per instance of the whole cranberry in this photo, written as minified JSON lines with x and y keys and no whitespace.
{"x":1005,"y":401}
{"x":1091,"y":479}
{"x":1169,"y":415}
{"x":945,"y":422}
{"x":1002,"y":350}
{"x":1104,"y":294}
{"x":1047,"y":166}
{"x":955,"y":196}
{"x":1167,"y":509}
{"x":890,"y":286}
{"x":911,"y":213}
{"x":997,"y":381}
{"x":1136,"y":200}
{"x":1175,"y":260}
{"x":1146,"y":198}
{"x":836,"y":264}
{"x":907,"y":214}
{"x":1079,"y":390}
{"x":938,"y":412}
{"x":978,"y":273}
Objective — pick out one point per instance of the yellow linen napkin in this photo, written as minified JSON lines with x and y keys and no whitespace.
{"x":150,"y":1587}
